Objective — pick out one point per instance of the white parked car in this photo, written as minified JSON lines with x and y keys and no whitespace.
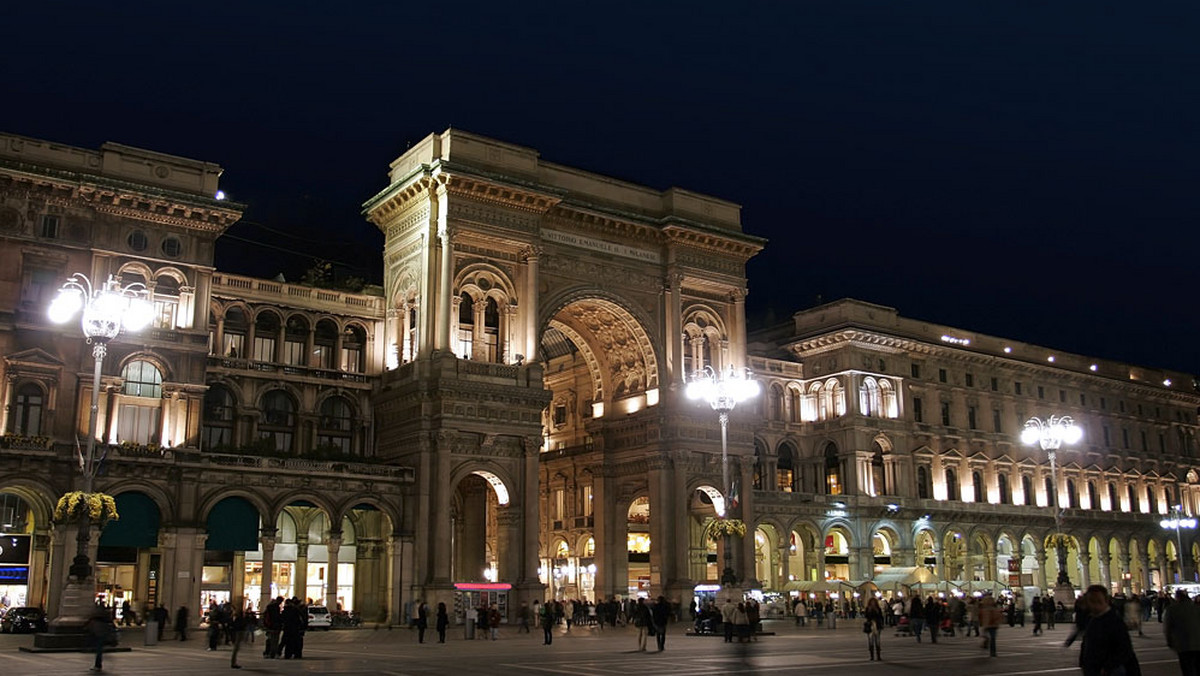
{"x":319,"y":618}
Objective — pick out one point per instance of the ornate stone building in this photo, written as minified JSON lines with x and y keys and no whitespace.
{"x":509,"y":407}
{"x":891,"y":441}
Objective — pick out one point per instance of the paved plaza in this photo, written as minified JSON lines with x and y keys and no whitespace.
{"x":589,"y":652}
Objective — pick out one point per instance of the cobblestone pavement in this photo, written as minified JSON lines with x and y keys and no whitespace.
{"x":588,"y":651}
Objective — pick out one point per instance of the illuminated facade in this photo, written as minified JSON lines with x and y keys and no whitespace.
{"x":509,"y":406}
{"x":924,"y":464}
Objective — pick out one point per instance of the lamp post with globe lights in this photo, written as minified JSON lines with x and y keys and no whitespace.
{"x":105,"y":311}
{"x":1050,"y":435}
{"x":1178,"y":522}
{"x":723,"y":391}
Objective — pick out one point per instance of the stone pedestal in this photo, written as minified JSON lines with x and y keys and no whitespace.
{"x":67,"y":631}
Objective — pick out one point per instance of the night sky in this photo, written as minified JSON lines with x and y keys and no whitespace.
{"x":1022,"y":169}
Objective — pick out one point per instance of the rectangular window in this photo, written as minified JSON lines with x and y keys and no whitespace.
{"x":164,"y":312}
{"x":587,"y":500}
{"x":941,"y":375}
{"x":946,"y":413}
{"x":1162,"y":443}
{"x":971,"y":417}
{"x":882,"y":366}
{"x":995,"y":384}
{"x":1124,"y":437}
{"x":970,"y":380}
{"x":1121,"y":405}
{"x":996,"y":427}
{"x":1145,"y":446}
{"x":1041,"y":392}
{"x":783,"y":480}
{"x":918,"y":414}
{"x":558,"y":508}
{"x":1062,"y":396}
{"x":293,"y":353}
{"x":235,"y":346}
{"x":1103,"y":404}
{"x":264,"y":349}
{"x":323,"y":356}
{"x":1017,"y":387}
{"x":50,"y":226}
{"x":138,"y":424}
{"x":916,"y":370}
{"x":38,"y":287}
{"x":351,"y":357}
{"x":1082,"y":399}
{"x":1107,"y":437}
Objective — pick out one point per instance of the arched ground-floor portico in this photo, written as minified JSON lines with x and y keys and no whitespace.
{"x":192,"y":533}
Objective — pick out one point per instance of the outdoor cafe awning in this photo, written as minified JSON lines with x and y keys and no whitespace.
{"x":810,"y":586}
{"x":895,"y":577}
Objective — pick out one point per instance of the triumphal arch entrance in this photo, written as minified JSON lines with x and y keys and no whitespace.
{"x":542,"y":321}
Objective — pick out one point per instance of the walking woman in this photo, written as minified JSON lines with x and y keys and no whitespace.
{"x":873,"y":626}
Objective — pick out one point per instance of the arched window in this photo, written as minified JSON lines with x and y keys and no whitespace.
{"x":353,"y":340}
{"x":278,"y":420}
{"x":775,"y":409}
{"x":266,"y":334}
{"x":142,"y":379}
{"x":1133,"y":498}
{"x":1027,"y":489}
{"x":1051,"y":495}
{"x":868,"y":398}
{"x":1152,"y":498}
{"x":325,"y":338}
{"x":336,"y":425}
{"x":923,"y":491}
{"x":1072,"y":495}
{"x":295,"y":341}
{"x":785,"y":477}
{"x":891,"y":406}
{"x":759,"y":452}
{"x":491,"y":331}
{"x":794,"y":404}
{"x":878,"y":475}
{"x":466,"y":325}
{"x":1002,"y":486}
{"x":977,"y":482}
{"x":1093,"y":496}
{"x":837,"y":396}
{"x":816,"y":404}
{"x":166,"y":302}
{"x":26,"y":417}
{"x":952,"y":490}
{"x":1114,"y":500}
{"x":833,"y":471}
{"x":138,"y":418}
{"x":219,"y":414}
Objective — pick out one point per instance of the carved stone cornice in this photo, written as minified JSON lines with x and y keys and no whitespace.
{"x":511,"y":197}
{"x":733,"y":243}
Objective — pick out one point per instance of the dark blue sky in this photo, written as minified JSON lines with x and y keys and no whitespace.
{"x":1024,"y":169}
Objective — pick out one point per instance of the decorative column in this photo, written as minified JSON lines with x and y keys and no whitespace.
{"x":439,"y":521}
{"x":989,"y":561}
{"x":1143,"y":571}
{"x":747,"y":515}
{"x":1085,"y":568}
{"x":300,"y":577}
{"x":529,"y":303}
{"x":445,"y":341}
{"x":737,"y":328}
{"x":660,"y":511}
{"x":1105,"y":575}
{"x":1043,"y":558}
{"x":187,"y":308}
{"x":266,"y":541}
{"x":672,"y":319}
{"x":332,"y":544}
{"x":1124,"y":569}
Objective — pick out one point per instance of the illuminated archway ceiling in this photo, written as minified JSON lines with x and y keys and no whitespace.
{"x":612,"y":343}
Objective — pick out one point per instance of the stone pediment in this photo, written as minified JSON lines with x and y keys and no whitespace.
{"x":34,"y":357}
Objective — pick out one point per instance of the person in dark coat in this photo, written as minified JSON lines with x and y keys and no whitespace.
{"x":292,"y":625}
{"x":933,"y":617}
{"x":443,"y":621}
{"x":422,"y":621}
{"x":273,"y":623}
{"x":181,"y":623}
{"x":916,"y":616}
{"x":659,"y":614}
{"x":1107,"y":649}
{"x":1036,"y":608}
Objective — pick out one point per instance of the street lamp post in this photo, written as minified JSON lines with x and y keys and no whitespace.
{"x":106,"y":311}
{"x":1051,"y":434}
{"x":1179,"y":522}
{"x":723,"y":391}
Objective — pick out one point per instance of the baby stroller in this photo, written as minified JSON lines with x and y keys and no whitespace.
{"x":903,"y":628}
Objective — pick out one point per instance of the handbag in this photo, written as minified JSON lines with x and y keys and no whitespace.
{"x":867,"y":627}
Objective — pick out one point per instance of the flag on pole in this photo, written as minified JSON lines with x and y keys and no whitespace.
{"x":733,"y":494}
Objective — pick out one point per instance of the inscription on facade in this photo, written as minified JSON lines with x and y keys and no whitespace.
{"x":571,"y":239}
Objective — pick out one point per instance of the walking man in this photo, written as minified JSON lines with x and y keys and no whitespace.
{"x":659,"y":615}
{"x":1107,"y":649}
{"x":1181,"y":625}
